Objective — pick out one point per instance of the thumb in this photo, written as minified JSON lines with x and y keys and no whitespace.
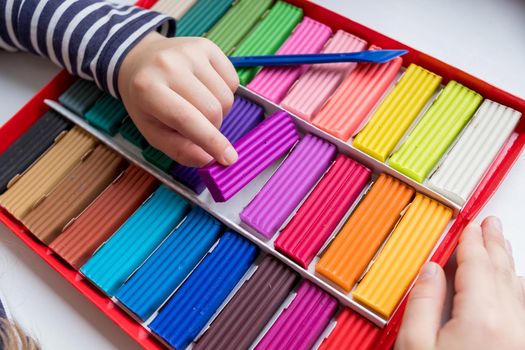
{"x":422,"y":319}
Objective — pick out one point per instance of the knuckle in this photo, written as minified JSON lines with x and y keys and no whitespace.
{"x":163,"y":59}
{"x":213,"y":110}
{"x":141,"y":83}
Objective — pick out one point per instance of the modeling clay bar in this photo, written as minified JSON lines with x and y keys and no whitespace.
{"x":47,"y":172}
{"x":80,"y":96}
{"x":274,"y":82}
{"x":352,"y":332}
{"x":288,"y":185}
{"x":129,"y":131}
{"x":355,"y":98}
{"x":325,"y":207}
{"x":104,"y":216}
{"x":302,"y":322}
{"x":475,"y":150}
{"x":407,"y":249}
{"x":199,"y":297}
{"x":202,"y":16}
{"x":257,"y":150}
{"x":169,"y":265}
{"x":268,"y":36}
{"x":397,"y":112}
{"x":237,"y":23}
{"x":107,"y":114}
{"x":30,"y":146}
{"x":127,"y":249}
{"x":438,"y":128}
{"x":316,"y":85}
{"x":74,"y":193}
{"x":250,"y":309}
{"x":157,"y":158}
{"x":175,"y":9}
{"x":243,"y":116}
{"x":369,"y":225}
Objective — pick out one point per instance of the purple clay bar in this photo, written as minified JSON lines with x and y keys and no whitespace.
{"x":242,"y":117}
{"x":257,"y":150}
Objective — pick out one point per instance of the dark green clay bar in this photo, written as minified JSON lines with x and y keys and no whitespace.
{"x":202,"y":16}
{"x":129,"y":131}
{"x":268,"y":36}
{"x":157,"y":158}
{"x":237,"y":23}
{"x":80,"y":96}
{"x":107,"y":114}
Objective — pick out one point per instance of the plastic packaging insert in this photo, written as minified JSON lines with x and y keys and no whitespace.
{"x":438,"y":128}
{"x":199,"y":297}
{"x":325,"y":207}
{"x":289,"y":185}
{"x":202,"y":16}
{"x":47,"y":172}
{"x":104,"y":216}
{"x":367,"y":228}
{"x":407,"y":249}
{"x":274,"y":82}
{"x":169,"y":265}
{"x":107,"y":114}
{"x":30,"y":146}
{"x":317,"y":84}
{"x":129,"y":247}
{"x":175,"y":9}
{"x":237,"y":23}
{"x":397,"y":112}
{"x":268,"y":36}
{"x":257,"y":150}
{"x":474,"y":151}
{"x":250,"y":309}
{"x":355,"y":98}
{"x":157,"y":158}
{"x":243,"y":116}
{"x":74,"y":193}
{"x":302,"y":322}
{"x":352,"y":332}
{"x":80,"y":96}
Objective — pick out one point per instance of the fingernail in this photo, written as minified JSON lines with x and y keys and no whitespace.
{"x":496,"y":223}
{"x":428,"y":271}
{"x":230,"y":155}
{"x":508,"y":246}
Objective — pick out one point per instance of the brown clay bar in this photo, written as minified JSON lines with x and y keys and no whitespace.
{"x":43,"y":176}
{"x":104,"y":216}
{"x":74,"y":193}
{"x":245,"y":316}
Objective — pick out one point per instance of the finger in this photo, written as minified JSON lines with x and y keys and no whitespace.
{"x":174,"y":145}
{"x":422,"y":318}
{"x":496,"y":247}
{"x":224,"y":67}
{"x":522,"y":282}
{"x":199,"y":95}
{"x":177,"y":113}
{"x":218,"y":87}
{"x":474,"y":272}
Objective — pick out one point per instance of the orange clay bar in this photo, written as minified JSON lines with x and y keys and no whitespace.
{"x":356,"y":244}
{"x":406,"y":251}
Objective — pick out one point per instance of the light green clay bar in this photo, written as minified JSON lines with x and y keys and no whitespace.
{"x":107,"y":114}
{"x":202,"y":16}
{"x":237,"y":23}
{"x":438,"y":128}
{"x":268,"y":36}
{"x":157,"y":158}
{"x":129,"y":131}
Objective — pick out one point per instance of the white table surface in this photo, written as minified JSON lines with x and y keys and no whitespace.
{"x":470,"y":34}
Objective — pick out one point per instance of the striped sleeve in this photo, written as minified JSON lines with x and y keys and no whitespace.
{"x":89,"y":38}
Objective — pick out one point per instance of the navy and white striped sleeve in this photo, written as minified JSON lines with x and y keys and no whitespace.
{"x":90,"y":38}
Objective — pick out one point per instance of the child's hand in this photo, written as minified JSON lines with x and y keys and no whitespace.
{"x":177,"y":92}
{"x":488,"y":310}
